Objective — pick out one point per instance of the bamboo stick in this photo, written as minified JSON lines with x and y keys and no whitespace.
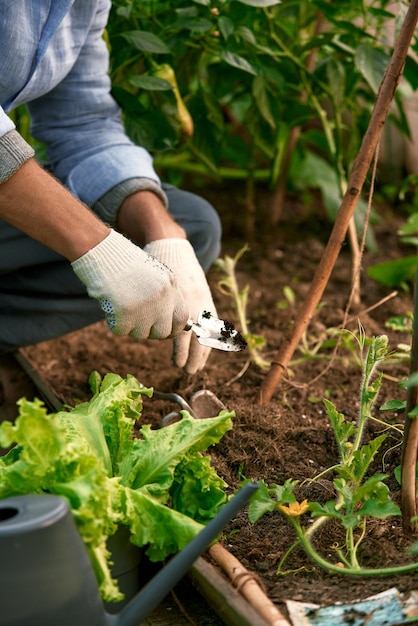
{"x":346,"y":210}
{"x":247,"y":585}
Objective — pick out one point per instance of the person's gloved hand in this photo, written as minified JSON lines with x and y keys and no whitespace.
{"x":139,"y":295}
{"x":180,"y":257}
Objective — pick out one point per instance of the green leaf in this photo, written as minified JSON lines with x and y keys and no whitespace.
{"x":414,"y":412}
{"x":328,"y":509}
{"x":371,"y":63}
{"x":247,"y":35}
{"x":156,"y":456}
{"x":266,"y":499}
{"x":411,"y":381}
{"x":411,"y":72}
{"x":284,"y":493}
{"x":197,"y":490}
{"x":260,"y":3}
{"x":394,"y":273}
{"x":316,"y":172}
{"x":195,"y":25}
{"x":393,"y":405}
{"x":226,"y":26}
{"x":410,"y":227}
{"x":336,"y":76}
{"x":260,"y":93}
{"x":343,"y":429}
{"x":161,"y":529}
{"x":261,"y":503}
{"x":375,"y":498}
{"x":381,"y":510}
{"x":151,"y":83}
{"x":237,"y":61}
{"x":145,"y":41}
{"x":363,"y":457}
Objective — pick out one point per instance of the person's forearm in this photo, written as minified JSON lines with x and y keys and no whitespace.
{"x":36,"y":203}
{"x":143,"y":217}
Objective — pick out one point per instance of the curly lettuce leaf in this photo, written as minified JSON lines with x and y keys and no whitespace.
{"x":107,"y":420}
{"x":163,"y":530}
{"x":25,"y":467}
{"x":197,"y":490}
{"x":158,"y":453}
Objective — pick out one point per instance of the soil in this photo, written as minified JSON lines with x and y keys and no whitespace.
{"x":290,"y":437}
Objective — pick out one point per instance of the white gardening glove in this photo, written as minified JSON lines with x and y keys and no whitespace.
{"x":180,"y":257}
{"x":139,"y":295}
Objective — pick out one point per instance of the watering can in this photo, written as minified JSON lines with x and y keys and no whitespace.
{"x":45,"y":573}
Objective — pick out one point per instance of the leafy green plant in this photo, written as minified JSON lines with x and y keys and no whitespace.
{"x":250,"y":72}
{"x":360,"y":495}
{"x":157,"y":484}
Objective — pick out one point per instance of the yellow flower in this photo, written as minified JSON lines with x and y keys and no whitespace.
{"x":295,"y":508}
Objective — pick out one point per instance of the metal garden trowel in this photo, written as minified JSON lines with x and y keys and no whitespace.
{"x":215,"y":333}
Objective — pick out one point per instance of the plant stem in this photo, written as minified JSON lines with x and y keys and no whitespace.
{"x":357,"y":543}
{"x":349,"y":571}
{"x":286,"y":554}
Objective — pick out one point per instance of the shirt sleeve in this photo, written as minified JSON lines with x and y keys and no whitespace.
{"x":14,"y":151}
{"x":6,"y":123}
{"x":108,"y":205}
{"x":81,"y":126}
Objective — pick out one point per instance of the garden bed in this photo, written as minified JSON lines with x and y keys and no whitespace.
{"x":290,"y":437}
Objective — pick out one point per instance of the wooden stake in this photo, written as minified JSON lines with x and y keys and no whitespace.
{"x":348,"y":204}
{"x":247,"y":585}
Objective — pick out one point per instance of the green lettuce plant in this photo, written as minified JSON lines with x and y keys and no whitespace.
{"x":158,"y":484}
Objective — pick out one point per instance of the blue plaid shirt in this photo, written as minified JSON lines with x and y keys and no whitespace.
{"x":54,"y":59}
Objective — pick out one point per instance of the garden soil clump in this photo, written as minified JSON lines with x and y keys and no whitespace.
{"x":290,"y":437}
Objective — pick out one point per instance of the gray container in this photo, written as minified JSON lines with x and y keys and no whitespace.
{"x":46,"y":577}
{"x":126,"y":560}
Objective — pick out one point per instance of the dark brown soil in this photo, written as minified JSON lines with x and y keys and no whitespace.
{"x":290,"y":437}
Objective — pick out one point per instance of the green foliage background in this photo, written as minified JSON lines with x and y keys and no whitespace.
{"x":242,"y":69}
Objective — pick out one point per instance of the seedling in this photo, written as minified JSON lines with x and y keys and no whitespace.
{"x":289,"y":299}
{"x":360,"y":496}
{"x":228,"y":285}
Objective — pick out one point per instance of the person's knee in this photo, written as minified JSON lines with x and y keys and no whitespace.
{"x":209,"y":242}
